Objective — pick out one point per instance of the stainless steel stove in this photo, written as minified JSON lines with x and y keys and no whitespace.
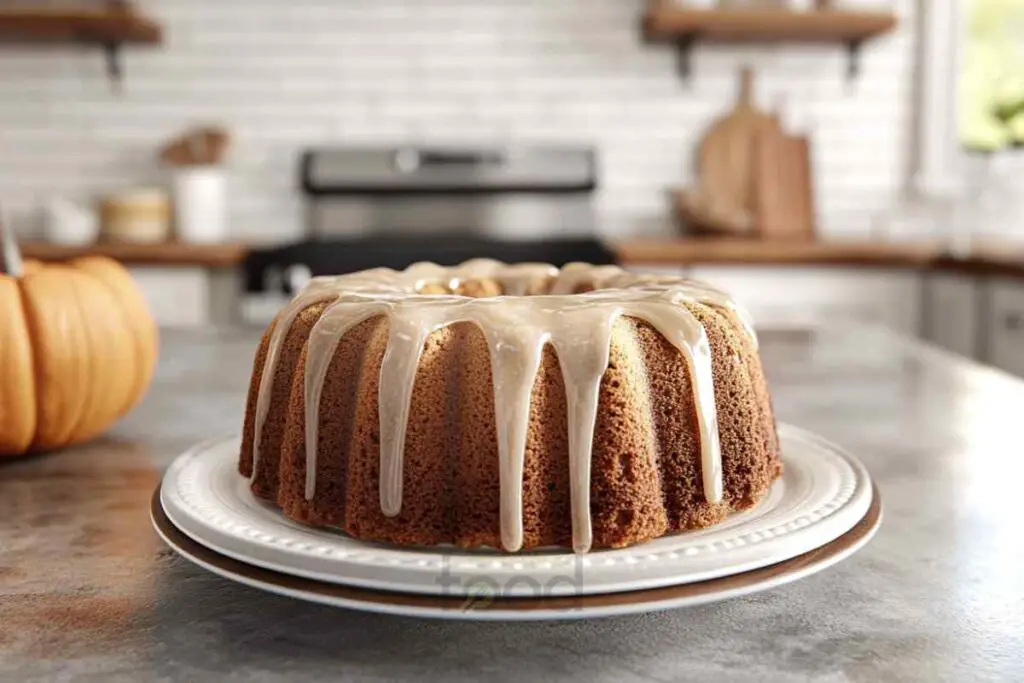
{"x":392,"y":206}
{"x":519,"y":193}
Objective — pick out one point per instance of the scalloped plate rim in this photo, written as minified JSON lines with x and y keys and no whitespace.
{"x":590,"y":606}
{"x":671,"y":560}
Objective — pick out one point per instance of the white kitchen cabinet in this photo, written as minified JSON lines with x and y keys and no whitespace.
{"x":176,"y":297}
{"x":189,"y":297}
{"x":785,"y":296}
{"x":952,"y":317}
{"x":1004,"y":338}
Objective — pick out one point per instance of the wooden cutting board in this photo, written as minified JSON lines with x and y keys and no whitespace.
{"x":700,"y":216}
{"x":783,"y":194}
{"x":725,"y":156}
{"x":803,"y":223}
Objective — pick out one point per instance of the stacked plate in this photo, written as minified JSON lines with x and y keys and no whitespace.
{"x":823,"y":509}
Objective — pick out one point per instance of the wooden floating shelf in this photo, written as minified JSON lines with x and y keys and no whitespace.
{"x":81,"y":26}
{"x":109,"y":26}
{"x":666,"y":21}
{"x":170,"y":254}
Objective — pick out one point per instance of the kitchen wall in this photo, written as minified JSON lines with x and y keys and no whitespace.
{"x":284,"y":76}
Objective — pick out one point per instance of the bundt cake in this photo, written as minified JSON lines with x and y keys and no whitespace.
{"x":509,"y":406}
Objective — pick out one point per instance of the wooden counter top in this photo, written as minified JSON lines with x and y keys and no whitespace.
{"x":987,"y":259}
{"x":730,"y":251}
{"x":171,"y":254}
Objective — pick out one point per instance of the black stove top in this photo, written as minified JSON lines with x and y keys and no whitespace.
{"x":336,"y":256}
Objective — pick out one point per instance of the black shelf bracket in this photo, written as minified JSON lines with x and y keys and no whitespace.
{"x":684,"y":55}
{"x":853,"y":59}
{"x":685,"y":44}
{"x":115,"y":72}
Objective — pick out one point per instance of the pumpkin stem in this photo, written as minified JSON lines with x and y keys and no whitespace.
{"x":10,"y":255}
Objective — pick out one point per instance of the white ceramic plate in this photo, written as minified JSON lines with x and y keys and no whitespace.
{"x":486,"y":607}
{"x":823,"y":493}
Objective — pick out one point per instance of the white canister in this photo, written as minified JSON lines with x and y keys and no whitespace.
{"x":200,"y":204}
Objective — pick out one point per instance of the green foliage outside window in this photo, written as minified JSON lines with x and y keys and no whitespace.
{"x":991,"y":87}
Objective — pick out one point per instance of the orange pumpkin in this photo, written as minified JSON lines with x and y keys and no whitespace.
{"x":77,"y":351}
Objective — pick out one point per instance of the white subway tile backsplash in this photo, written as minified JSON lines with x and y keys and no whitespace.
{"x":286,"y":76}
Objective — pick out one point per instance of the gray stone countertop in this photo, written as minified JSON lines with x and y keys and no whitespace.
{"x":89,"y":593}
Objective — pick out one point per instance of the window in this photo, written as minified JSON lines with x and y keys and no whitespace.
{"x":990,"y":83}
{"x":970,"y":106}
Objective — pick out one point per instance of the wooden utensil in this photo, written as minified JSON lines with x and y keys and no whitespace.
{"x":702,"y":215}
{"x":196,"y":147}
{"x":783,"y":198}
{"x":725,"y":155}
{"x":803,"y":188}
{"x":770,"y":200}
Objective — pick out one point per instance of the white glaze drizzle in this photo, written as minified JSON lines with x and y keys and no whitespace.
{"x":516,"y":329}
{"x":316,"y":291}
{"x":334,"y":322}
{"x":583,"y":358}
{"x":515,"y":360}
{"x":409,"y":327}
